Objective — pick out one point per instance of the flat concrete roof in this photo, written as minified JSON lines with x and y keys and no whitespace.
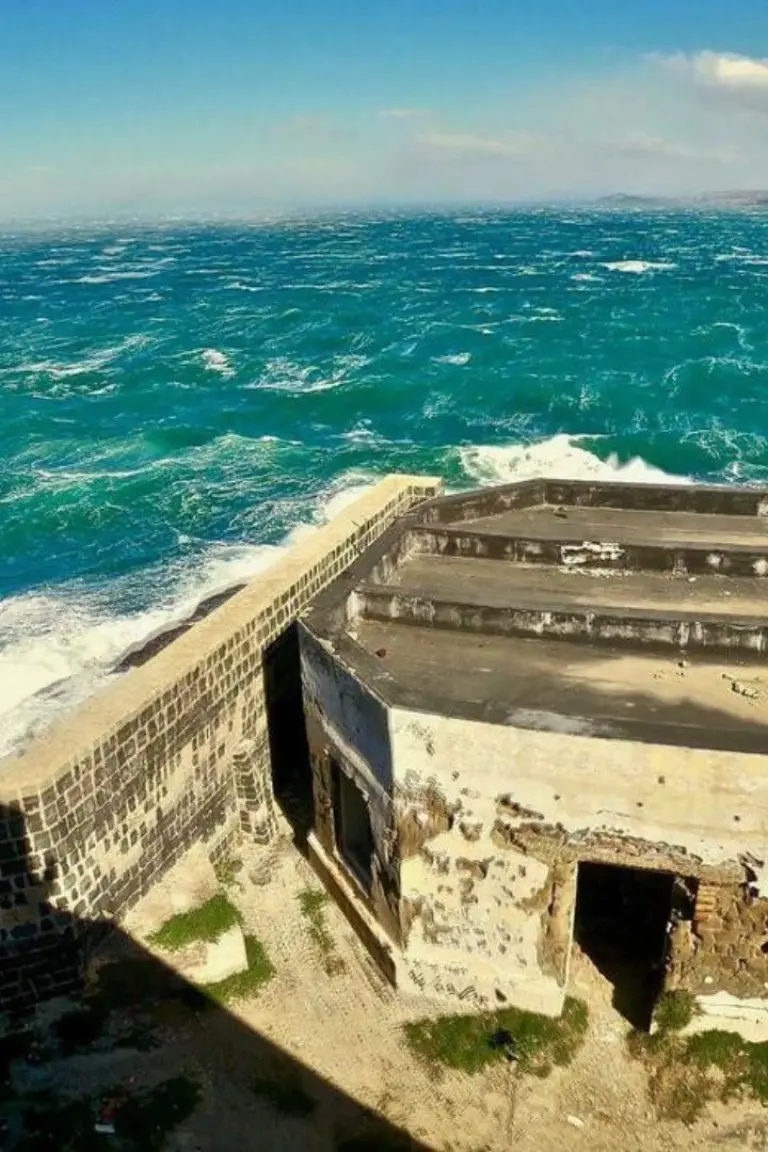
{"x":625,"y":611}
{"x":569,"y":680}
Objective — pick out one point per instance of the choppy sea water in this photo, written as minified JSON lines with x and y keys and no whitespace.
{"x":178,"y":401}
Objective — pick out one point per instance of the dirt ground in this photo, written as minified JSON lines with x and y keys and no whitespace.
{"x":342,"y":1030}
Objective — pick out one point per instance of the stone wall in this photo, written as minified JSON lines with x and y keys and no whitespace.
{"x":174,"y":753}
{"x":725,"y":947}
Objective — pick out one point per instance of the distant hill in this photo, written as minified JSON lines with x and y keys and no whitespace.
{"x":733,"y":199}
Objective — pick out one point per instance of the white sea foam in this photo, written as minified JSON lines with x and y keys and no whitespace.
{"x":109,"y":277}
{"x":96,"y":362}
{"x":216,"y":361}
{"x":640,"y":266}
{"x":60,"y":646}
{"x":560,"y":457}
{"x":586,"y":276}
{"x":460,"y":359}
{"x":283,"y":375}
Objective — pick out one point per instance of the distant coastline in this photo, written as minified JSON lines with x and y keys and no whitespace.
{"x":736,"y":199}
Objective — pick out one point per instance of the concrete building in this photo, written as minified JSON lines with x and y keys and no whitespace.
{"x":502,"y":724}
{"x":536,"y":715}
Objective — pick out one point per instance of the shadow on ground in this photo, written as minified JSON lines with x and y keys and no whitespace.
{"x":140,"y":1051}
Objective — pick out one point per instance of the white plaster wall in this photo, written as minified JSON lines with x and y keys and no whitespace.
{"x":485,"y":952}
{"x":681,"y":797}
{"x":712,"y":804}
{"x":749,"y":1018}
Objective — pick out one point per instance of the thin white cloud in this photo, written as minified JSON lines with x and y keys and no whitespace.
{"x":403,"y":113}
{"x":465,"y":142}
{"x":673,"y":150}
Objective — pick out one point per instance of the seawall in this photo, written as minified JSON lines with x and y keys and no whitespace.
{"x":175,"y":752}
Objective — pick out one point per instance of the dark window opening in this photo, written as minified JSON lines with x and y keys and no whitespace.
{"x":354,"y":837}
{"x":622,"y":924}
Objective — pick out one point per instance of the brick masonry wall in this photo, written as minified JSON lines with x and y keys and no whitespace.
{"x":176,"y":752}
{"x":725,"y":947}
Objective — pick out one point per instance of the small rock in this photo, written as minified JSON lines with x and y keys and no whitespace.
{"x":682,"y":663}
{"x":575,"y":1121}
{"x":381,"y":652}
{"x":744,"y":690}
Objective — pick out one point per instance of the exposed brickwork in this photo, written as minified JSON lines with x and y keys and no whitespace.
{"x":725,"y":948}
{"x":178,"y":755}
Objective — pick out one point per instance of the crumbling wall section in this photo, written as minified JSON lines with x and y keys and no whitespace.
{"x":725,"y":947}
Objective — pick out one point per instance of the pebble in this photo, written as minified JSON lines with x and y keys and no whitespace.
{"x":575,"y":1121}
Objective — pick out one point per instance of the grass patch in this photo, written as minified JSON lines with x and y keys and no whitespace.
{"x":466,"y":1042}
{"x":685,"y":1073}
{"x":241,"y":985}
{"x":312,"y":904}
{"x":286,"y":1094}
{"x":675,"y":1010}
{"x":208,"y":922}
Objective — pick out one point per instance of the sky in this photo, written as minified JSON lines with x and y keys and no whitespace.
{"x":161,"y":107}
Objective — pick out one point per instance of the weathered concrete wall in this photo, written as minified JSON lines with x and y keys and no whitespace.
{"x":347,"y":727}
{"x":173,"y":753}
{"x":527,"y":806}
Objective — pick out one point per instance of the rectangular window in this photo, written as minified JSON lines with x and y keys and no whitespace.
{"x":354,"y":837}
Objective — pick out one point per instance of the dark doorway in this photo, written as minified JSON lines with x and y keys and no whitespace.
{"x":354,"y":836}
{"x":289,"y":751}
{"x":622,"y":917}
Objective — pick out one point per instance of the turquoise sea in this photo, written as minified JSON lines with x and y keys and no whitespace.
{"x":177,"y":400}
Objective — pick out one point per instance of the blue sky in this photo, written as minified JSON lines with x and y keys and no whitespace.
{"x":238,"y":105}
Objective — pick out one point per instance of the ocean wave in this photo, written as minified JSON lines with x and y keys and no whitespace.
{"x":109,"y":277}
{"x":59,"y":646}
{"x":96,"y":362}
{"x":283,"y":375}
{"x":587,"y":277}
{"x":459,"y":359}
{"x":216,"y":361}
{"x":560,"y":457}
{"x":639,"y":266}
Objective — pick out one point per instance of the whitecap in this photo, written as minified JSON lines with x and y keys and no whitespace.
{"x":109,"y":277}
{"x":560,"y":457}
{"x":238,"y":286}
{"x":216,"y":361}
{"x":460,"y":359}
{"x":586,"y":277}
{"x":639,"y":266}
{"x":96,"y":362}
